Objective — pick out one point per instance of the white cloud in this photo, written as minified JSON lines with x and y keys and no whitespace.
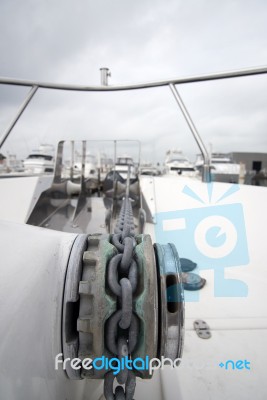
{"x":67,"y":41}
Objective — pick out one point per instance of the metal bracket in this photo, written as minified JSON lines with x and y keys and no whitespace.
{"x":202,"y":329}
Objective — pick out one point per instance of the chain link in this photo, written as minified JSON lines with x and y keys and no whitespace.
{"x":122,"y":327}
{"x":119,"y":392}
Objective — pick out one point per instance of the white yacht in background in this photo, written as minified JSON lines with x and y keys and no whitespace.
{"x":150,"y":169}
{"x":40,"y":161}
{"x":177,"y":163}
{"x":123,"y":163}
{"x":223,"y":168}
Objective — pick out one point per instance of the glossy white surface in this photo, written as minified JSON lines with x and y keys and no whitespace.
{"x":19,"y":195}
{"x":238,"y":324}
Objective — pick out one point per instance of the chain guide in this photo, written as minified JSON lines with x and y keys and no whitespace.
{"x":171,"y":301}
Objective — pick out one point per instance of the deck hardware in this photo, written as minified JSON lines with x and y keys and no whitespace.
{"x":187,"y":265}
{"x":202,"y":329}
{"x":192,"y":281}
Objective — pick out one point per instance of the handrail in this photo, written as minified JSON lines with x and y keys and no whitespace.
{"x":35,"y":85}
{"x":145,"y":85}
{"x":206,"y":166}
{"x":18,"y":115}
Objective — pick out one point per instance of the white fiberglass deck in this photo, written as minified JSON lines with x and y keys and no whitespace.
{"x":238,"y":324}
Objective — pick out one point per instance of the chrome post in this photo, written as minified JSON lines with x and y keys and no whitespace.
{"x":18,"y":115}
{"x":59,"y":162}
{"x":206,"y":177}
{"x":115,"y":159}
{"x":83,"y":165}
{"x":105,"y":74}
{"x":72,"y":160}
{"x":114,"y":183}
{"x":128,"y":184}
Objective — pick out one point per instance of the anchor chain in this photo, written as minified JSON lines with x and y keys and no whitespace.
{"x":122,"y":328}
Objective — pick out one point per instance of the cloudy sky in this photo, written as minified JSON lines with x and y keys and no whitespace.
{"x":67,"y":41}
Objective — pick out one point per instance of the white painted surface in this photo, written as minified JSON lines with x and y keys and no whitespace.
{"x":201,"y":377}
{"x":18,"y":196}
{"x":238,"y":324}
{"x":31,"y":291}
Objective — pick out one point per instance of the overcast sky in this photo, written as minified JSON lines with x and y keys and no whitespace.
{"x":68,"y":41}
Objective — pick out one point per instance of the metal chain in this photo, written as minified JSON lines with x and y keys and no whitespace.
{"x":122,"y":327}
